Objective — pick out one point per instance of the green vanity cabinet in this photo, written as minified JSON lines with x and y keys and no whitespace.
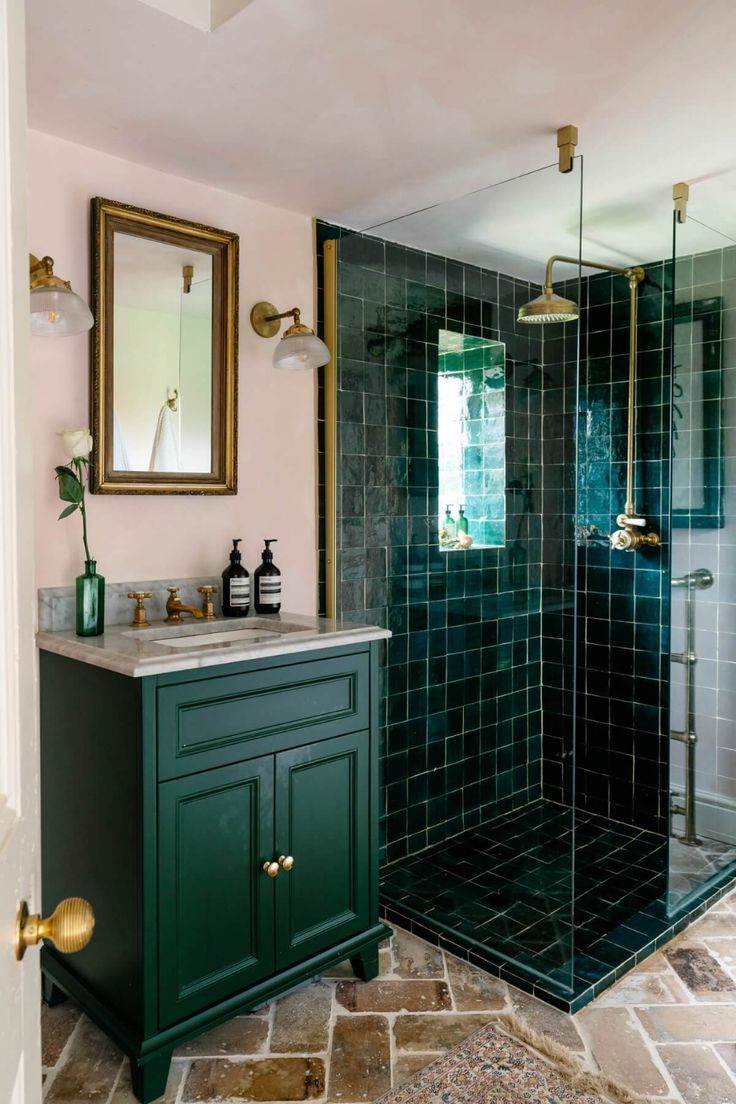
{"x":174,"y":803}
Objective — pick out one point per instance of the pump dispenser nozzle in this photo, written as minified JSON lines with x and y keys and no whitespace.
{"x":235,"y":585}
{"x":267,"y":579}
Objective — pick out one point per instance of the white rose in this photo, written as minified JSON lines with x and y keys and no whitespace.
{"x":77,"y":443}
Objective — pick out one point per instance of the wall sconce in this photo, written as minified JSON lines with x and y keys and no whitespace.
{"x":299,"y":347}
{"x":56,"y":310}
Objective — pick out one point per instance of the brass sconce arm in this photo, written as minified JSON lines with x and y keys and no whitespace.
{"x":42,"y":273}
{"x":266,"y":320}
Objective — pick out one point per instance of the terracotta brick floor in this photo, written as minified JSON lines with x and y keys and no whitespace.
{"x":667,"y":1029}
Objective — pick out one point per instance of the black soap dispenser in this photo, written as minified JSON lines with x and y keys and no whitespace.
{"x":235,"y":585}
{"x":267,"y":582}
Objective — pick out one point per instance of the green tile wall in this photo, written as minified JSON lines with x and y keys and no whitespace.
{"x":462,"y":685}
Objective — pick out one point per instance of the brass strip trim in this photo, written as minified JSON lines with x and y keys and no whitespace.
{"x":330,"y":387}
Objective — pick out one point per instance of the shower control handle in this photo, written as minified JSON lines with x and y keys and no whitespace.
{"x":628,"y":539}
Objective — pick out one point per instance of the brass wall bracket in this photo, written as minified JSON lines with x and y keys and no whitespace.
{"x":680,"y":195}
{"x":567,"y":139}
{"x":42,"y":273}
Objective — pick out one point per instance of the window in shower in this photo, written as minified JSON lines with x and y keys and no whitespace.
{"x":471,"y":442}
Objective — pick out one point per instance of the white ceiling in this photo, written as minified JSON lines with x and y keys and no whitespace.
{"x":361,"y":111}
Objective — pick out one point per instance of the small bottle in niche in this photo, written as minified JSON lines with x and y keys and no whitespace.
{"x":449,"y":524}
{"x":462,"y":521}
{"x":235,"y":585}
{"x":267,"y":582}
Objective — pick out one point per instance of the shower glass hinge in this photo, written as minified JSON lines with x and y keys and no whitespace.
{"x":567,"y":139}
{"x":681,"y":194}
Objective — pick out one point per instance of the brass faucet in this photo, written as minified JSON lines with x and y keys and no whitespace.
{"x":175,"y":608}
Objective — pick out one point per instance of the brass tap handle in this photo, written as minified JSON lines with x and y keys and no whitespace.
{"x":271,"y":868}
{"x":173,"y":617}
{"x":286,"y":862}
{"x":69,"y":928}
{"x":208,"y":607}
{"x":140,"y":620}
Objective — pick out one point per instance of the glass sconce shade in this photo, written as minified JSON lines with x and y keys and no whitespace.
{"x":300,"y":350}
{"x":58,"y":312}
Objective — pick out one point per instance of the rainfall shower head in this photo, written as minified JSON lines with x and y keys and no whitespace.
{"x":549,"y":307}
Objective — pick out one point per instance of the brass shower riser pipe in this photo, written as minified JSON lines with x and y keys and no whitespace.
{"x":635,"y":276}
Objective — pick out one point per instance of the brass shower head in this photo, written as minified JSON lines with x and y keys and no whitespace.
{"x":549,"y":307}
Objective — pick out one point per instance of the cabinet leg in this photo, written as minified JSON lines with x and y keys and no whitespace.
{"x":149,"y":1080}
{"x":50,"y":991}
{"x":365,"y":964}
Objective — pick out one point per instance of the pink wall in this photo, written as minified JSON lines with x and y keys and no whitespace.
{"x":159,"y":536}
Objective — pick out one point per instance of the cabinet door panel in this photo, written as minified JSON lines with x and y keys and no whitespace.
{"x":322,"y":810}
{"x":215,"y":901}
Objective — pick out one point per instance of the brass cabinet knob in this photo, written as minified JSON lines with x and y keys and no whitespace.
{"x":286,"y":862}
{"x":69,"y":928}
{"x":140,"y":620}
{"x":271,"y":868}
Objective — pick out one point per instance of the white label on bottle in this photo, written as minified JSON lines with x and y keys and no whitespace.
{"x":239,"y":592}
{"x":269,"y":590}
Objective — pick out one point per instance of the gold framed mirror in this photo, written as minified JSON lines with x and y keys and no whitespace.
{"x":164,"y":366}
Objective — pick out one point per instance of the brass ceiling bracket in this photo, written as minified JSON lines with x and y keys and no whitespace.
{"x":681,"y":194}
{"x":567,"y":139}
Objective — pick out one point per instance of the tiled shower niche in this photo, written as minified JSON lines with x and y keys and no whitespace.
{"x":471,"y":440}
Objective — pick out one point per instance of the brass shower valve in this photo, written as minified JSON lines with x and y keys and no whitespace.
{"x":631,"y":536}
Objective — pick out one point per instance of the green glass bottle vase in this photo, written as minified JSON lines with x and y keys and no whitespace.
{"x":90,"y":601}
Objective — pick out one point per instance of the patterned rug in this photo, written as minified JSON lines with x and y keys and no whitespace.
{"x":491,"y":1067}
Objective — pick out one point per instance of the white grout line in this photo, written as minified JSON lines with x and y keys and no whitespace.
{"x":51,"y":1071}
{"x":116,"y":1080}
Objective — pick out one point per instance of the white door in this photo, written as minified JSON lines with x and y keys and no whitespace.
{"x":20,"y":1052}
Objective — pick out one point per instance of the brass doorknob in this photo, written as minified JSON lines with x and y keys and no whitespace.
{"x":286,"y":862}
{"x":69,"y":927}
{"x":271,"y":868}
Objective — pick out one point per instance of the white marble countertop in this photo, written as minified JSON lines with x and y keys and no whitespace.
{"x":155,"y":651}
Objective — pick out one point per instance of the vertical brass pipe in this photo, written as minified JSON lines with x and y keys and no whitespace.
{"x":630,"y":508}
{"x":330,"y":399}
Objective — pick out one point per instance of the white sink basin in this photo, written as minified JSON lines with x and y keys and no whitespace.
{"x":221,"y":635}
{"x":202,"y":640}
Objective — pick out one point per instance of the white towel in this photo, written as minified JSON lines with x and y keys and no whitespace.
{"x":120,"y":461}
{"x":165,"y":451}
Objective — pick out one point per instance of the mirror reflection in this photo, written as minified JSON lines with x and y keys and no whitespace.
{"x":162,"y":404}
